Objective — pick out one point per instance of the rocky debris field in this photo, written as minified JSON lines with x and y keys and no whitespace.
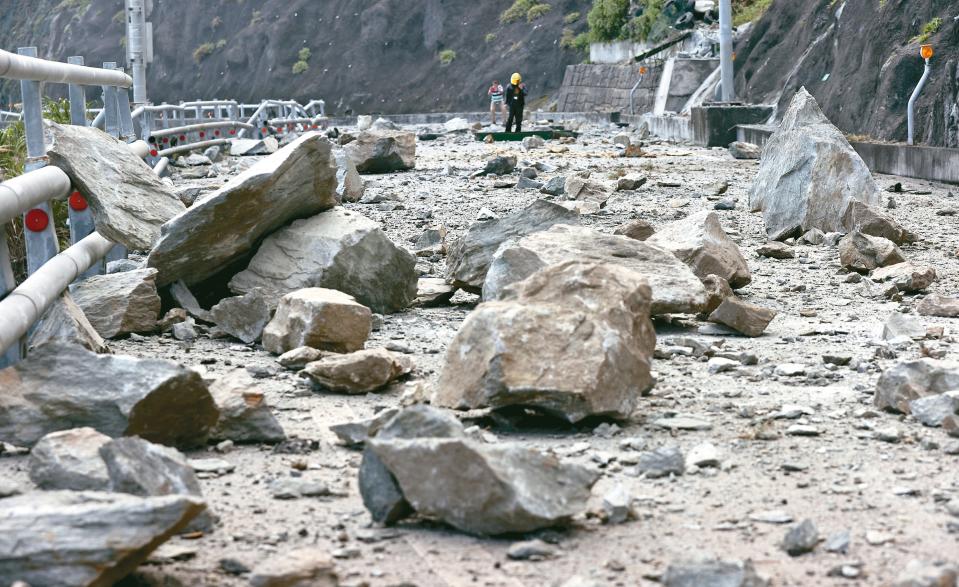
{"x":578,"y":362}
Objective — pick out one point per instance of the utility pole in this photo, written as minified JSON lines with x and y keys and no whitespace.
{"x":139,"y":46}
{"x":726,"y":50}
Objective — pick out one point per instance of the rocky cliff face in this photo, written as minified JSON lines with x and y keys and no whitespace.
{"x":366,"y":56}
{"x":857,"y":58}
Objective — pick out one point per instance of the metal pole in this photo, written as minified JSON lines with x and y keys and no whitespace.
{"x":726,"y":49}
{"x":911,"y":115}
{"x":81,"y":217}
{"x":136,"y":50}
{"x":39,"y":234}
{"x":111,"y":124}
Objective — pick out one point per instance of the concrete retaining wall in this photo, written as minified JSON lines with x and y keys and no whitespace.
{"x":669,"y":128}
{"x":605,"y":88}
{"x":618,"y":52}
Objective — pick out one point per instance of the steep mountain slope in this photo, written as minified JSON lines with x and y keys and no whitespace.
{"x":365,"y":55}
{"x":858,"y":59}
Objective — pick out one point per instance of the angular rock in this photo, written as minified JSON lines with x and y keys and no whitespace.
{"x":349,"y":184}
{"x":573,"y":340}
{"x":533,"y":142}
{"x":297,"y":181}
{"x":242,"y":147}
{"x":360,"y":372}
{"x":743,"y":317}
{"x":556,"y":186}
{"x":635,"y":229}
{"x":813,"y":236}
{"x":809,"y":175}
{"x":525,"y":183}
{"x":243,"y":317}
{"x":185,"y":331}
{"x":801,"y":538}
{"x":85,"y":538}
{"x":298,"y":358}
{"x":245,"y":415}
{"x":617,"y":505}
{"x":662,"y":462}
{"x":323,"y":319}
{"x":712,"y":572}
{"x":581,"y":188}
{"x":120,"y":303}
{"x":741,"y":150}
{"x":484,"y":489}
{"x":861,"y":253}
{"x":65,"y":322}
{"x":70,"y":459}
{"x":899,"y":325}
{"x":128,"y":201}
{"x":431,"y":242}
{"x":139,"y":467}
{"x":305,"y":567}
{"x":630,"y":183}
{"x":383,"y":151}
{"x":470,"y":256}
{"x":869,"y":220}
{"x":59,"y":387}
{"x":906,"y":381}
{"x":717,"y":290}
{"x":355,"y":433}
{"x":939,"y":305}
{"x":933,"y":410}
{"x":500,"y":165}
{"x":184,"y":297}
{"x":339,"y":250}
{"x":433,"y":291}
{"x":675,"y":288}
{"x":776,"y":250}
{"x":700,"y":241}
{"x":907,"y":277}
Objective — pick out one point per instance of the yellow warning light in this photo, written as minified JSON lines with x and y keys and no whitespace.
{"x":642,"y":71}
{"x":926,"y":51}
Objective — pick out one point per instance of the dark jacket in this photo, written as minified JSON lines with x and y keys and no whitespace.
{"x":516,"y":96}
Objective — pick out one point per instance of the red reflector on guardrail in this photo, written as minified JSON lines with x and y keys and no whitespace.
{"x":233,"y":132}
{"x":154,"y":152}
{"x":182,"y":137}
{"x":202,"y":134}
{"x":78,"y":202}
{"x":36,"y":220}
{"x":166,"y":140}
{"x":216,"y":133}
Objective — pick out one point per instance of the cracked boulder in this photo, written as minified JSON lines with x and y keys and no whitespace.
{"x":59,"y":387}
{"x":119,"y":303}
{"x":349,"y":184}
{"x":862,"y":253}
{"x":364,"y":371}
{"x":337,"y":249}
{"x":70,"y":459}
{"x":128,"y":201}
{"x":675,"y":289}
{"x":383,"y":151}
{"x":809,"y":175}
{"x":322,"y":319}
{"x":242,"y":317}
{"x":700,"y":242}
{"x":65,"y":322}
{"x":470,"y":256}
{"x":298,"y":181}
{"x":573,"y":340}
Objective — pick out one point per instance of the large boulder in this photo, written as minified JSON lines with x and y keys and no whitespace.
{"x":907,"y":381}
{"x":245,"y":415}
{"x":119,"y":303}
{"x":297,"y":181}
{"x":360,"y":372}
{"x":243,"y":317}
{"x":470,"y":256}
{"x":70,"y":459}
{"x":65,"y":322}
{"x":700,"y":242}
{"x":872,"y":221}
{"x":320,"y":318}
{"x":675,"y":288}
{"x":809,"y":175}
{"x":85,"y":538}
{"x":59,"y":387}
{"x":337,"y":249}
{"x":383,"y":151}
{"x":128,"y":201}
{"x":906,"y":276}
{"x":862,"y":253}
{"x":573,"y":340}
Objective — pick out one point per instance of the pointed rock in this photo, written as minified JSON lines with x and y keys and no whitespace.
{"x":907,"y":277}
{"x":743,"y":317}
{"x":65,"y":322}
{"x":861,"y":253}
{"x":383,"y":151}
{"x":119,"y":303}
{"x":700,"y":241}
{"x":323,"y":319}
{"x":70,"y":459}
{"x":242,"y":317}
{"x":245,"y":415}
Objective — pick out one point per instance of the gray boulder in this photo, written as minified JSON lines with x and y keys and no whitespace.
{"x":587,"y":190}
{"x":59,"y":387}
{"x":119,"y":303}
{"x":245,"y":415}
{"x":383,"y":151}
{"x":573,"y":340}
{"x":243,"y":317}
{"x":85,"y":538}
{"x":675,"y":288}
{"x":70,"y":459}
{"x":741,"y":150}
{"x":499,"y":165}
{"x":906,"y":381}
{"x":872,"y":221}
{"x":809,"y":175}
{"x":712,"y":573}
{"x":861,"y":253}
{"x":470,"y":256}
{"x":939,"y":305}
{"x":65,"y":322}
{"x":746,"y":318}
{"x":364,"y":371}
{"x":907,"y":276}
{"x":349,"y":184}
{"x":700,"y":242}
{"x":296,"y":182}
{"x":323,"y":319}
{"x":128,"y":201}
{"x":337,"y":249}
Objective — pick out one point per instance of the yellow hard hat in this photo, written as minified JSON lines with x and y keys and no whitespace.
{"x":516,"y":79}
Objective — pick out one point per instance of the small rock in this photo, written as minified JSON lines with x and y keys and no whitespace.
{"x":801,"y":538}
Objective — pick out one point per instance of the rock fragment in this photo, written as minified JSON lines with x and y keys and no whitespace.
{"x":939,"y":305}
{"x":245,"y":415}
{"x":635,"y":229}
{"x":383,"y":151}
{"x":743,"y":317}
{"x":700,"y":241}
{"x":861,"y":253}
{"x":906,"y":381}
{"x":305,"y":567}
{"x":70,"y":459}
{"x":364,"y":371}
{"x":662,"y":462}
{"x":741,"y":150}
{"x":801,"y":538}
{"x":65,"y":322}
{"x":713,"y":572}
{"x":320,"y":318}
{"x":776,"y":250}
{"x":120,"y":303}
{"x":907,"y":277}
{"x":242,"y":317}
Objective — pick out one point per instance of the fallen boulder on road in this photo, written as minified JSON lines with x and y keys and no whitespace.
{"x":323,"y":319}
{"x":470,"y":256}
{"x":245,"y":416}
{"x":243,"y":317}
{"x":297,"y":181}
{"x":128,"y":201}
{"x":700,"y":242}
{"x":573,"y":340}
{"x":749,"y":319}
{"x":59,"y":387}
{"x":337,"y":249}
{"x":861,"y":253}
{"x":906,"y":381}
{"x":383,"y":151}
{"x":675,"y":288}
{"x":85,"y":538}
{"x":349,"y":184}
{"x":907,"y":276}
{"x":65,"y":322}
{"x":70,"y":459}
{"x":119,"y":303}
{"x":809,"y":175}
{"x":360,"y":372}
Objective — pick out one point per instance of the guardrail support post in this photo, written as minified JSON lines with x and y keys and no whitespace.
{"x":111,"y":124}
{"x":81,"y":218}
{"x":39,"y":234}
{"x":7,"y":285}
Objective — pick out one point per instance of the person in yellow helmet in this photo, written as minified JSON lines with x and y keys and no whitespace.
{"x":515,"y":102}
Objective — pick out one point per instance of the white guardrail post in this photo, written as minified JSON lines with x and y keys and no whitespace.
{"x":111,"y":124}
{"x":81,"y":217}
